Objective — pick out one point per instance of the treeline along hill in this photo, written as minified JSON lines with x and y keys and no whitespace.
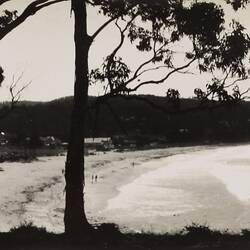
{"x":229,"y":123}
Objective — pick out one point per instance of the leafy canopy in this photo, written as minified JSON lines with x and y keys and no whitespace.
{"x":155,"y":27}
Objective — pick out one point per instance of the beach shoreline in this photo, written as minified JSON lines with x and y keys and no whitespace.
{"x":34,"y":191}
{"x":200,"y":187}
{"x":39,"y":197}
{"x":122,"y":169}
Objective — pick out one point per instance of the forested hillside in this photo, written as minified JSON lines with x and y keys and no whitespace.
{"x":134,"y":117}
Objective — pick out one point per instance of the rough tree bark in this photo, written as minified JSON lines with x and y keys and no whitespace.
{"x":74,"y":218}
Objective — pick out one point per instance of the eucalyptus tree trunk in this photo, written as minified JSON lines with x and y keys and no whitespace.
{"x":75,"y":220}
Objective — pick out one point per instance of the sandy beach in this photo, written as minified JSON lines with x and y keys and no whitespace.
{"x":156,"y":190}
{"x":34,"y":192}
{"x":207,"y":187}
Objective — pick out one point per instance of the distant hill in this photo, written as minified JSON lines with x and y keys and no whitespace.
{"x":136,"y":117}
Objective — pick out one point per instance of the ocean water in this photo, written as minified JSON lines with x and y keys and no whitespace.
{"x":209,"y":187}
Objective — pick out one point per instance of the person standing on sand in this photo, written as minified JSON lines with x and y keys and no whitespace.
{"x":96,"y":178}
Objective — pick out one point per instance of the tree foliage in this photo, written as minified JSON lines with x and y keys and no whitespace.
{"x":7,"y":18}
{"x":237,"y":4}
{"x":155,"y":27}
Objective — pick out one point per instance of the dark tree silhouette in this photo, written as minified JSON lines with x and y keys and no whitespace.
{"x":10,"y":20}
{"x":75,"y":218}
{"x":152,"y":27}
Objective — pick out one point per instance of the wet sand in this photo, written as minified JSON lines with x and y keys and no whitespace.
{"x":153,"y":190}
{"x":208,"y":187}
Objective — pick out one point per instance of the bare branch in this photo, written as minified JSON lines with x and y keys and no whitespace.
{"x":15,"y":82}
{"x":164,"y":78}
{"x":243,"y":93}
{"x":103,"y":26}
{"x":236,"y":81}
{"x":148,"y":61}
{"x":18,"y":93}
{"x":152,"y":69}
{"x":137,"y":72}
{"x":15,"y":96}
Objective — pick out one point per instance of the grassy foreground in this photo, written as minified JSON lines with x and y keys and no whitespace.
{"x":107,"y":236}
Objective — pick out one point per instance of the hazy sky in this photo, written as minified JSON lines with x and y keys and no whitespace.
{"x":43,"y":49}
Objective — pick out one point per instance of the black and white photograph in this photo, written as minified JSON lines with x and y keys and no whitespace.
{"x":125,"y":124}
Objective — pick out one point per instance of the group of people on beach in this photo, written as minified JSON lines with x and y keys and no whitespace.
{"x":94,"y":178}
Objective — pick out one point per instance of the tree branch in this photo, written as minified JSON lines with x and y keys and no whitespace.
{"x":148,"y":61}
{"x":3,"y":1}
{"x":103,"y":26}
{"x":30,"y":10}
{"x":137,"y":72}
{"x":15,"y":96}
{"x":152,"y":69}
{"x":113,"y":54}
{"x":162,"y":79}
{"x":237,"y":80}
{"x":209,"y":105}
{"x":243,"y":93}
{"x":203,"y":104}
